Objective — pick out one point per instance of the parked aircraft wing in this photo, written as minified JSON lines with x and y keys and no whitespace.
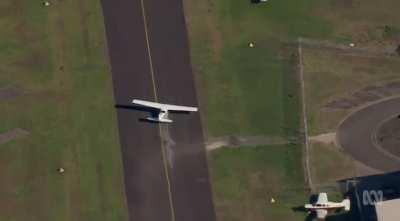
{"x":322,"y":198}
{"x":160,"y":106}
{"x":321,"y":213}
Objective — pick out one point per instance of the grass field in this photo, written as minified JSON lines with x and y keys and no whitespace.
{"x":243,"y":90}
{"x":254,"y":91}
{"x":330,"y":164}
{"x":353,"y":80}
{"x":362,"y":21}
{"x":55,"y":58}
{"x":251,"y":81}
{"x":246,"y":179}
{"x":346,"y":75}
{"x":337,"y":82}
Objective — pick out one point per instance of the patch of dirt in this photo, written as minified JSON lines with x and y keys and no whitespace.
{"x":101,"y":188}
{"x":22,"y":29}
{"x":329,"y":164}
{"x":362,"y":50}
{"x":215,"y":34}
{"x":394,"y":86}
{"x":215,"y":42}
{"x":200,"y":20}
{"x":237,"y":141}
{"x":365,"y":95}
{"x":48,"y":95}
{"x":343,"y":103}
{"x":328,"y":138}
{"x":343,"y":3}
{"x":12,"y":135}
{"x":8,"y":8}
{"x":374,"y":36}
{"x":378,"y":90}
{"x":36,"y":60}
{"x":58,"y":28}
{"x":83,"y":12}
{"x":9,"y":93}
{"x":364,"y":170}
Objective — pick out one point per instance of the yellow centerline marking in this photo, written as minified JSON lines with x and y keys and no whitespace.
{"x":165,"y":164}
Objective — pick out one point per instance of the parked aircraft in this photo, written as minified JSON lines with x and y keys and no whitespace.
{"x":323,"y":206}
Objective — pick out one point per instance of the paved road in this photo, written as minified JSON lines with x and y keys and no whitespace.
{"x":165,"y":166}
{"x":356,"y":135}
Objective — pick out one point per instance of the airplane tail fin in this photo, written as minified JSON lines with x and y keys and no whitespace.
{"x":346,"y":204}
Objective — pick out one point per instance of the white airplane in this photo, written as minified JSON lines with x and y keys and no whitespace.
{"x":323,"y":206}
{"x":163,"y":110}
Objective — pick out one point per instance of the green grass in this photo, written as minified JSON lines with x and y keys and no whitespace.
{"x":362,"y":22}
{"x":252,"y":91}
{"x":243,"y":89}
{"x":245,"y":179}
{"x":232,"y":76}
{"x":329,"y":164}
{"x":346,"y":75}
{"x":67,"y":107}
{"x":251,"y":95}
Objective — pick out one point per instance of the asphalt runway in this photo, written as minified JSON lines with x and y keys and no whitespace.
{"x":165,"y":166}
{"x":357,"y":134}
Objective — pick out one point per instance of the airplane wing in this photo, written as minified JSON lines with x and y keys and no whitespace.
{"x":321,"y":213}
{"x":164,"y":106}
{"x":322,"y":198}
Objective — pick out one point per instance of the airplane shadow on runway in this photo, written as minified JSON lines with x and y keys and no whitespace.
{"x":153,"y":112}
